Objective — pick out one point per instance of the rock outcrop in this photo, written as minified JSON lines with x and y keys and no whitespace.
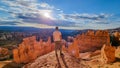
{"x":117,"y":52}
{"x":108,"y":54}
{"x":30,"y":49}
{"x":4,"y":53}
{"x":116,"y":39}
{"x":92,"y":41}
{"x":74,"y":49}
{"x":49,"y":61}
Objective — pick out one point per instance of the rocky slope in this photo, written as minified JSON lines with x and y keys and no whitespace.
{"x":88,"y":60}
{"x":49,"y":61}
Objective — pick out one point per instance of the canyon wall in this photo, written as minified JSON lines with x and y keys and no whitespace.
{"x":90,"y":41}
{"x":30,"y":49}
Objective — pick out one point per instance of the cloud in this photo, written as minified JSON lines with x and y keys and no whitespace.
{"x":2,"y":9}
{"x":30,"y":13}
{"x":8,"y":22}
{"x":45,"y":5}
{"x":85,"y":16}
{"x":40,"y":20}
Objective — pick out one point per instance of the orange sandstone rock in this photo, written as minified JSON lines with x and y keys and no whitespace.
{"x":73,"y":49}
{"x":92,"y":41}
{"x":108,"y":53}
{"x":30,"y":49}
{"x":16,"y":56}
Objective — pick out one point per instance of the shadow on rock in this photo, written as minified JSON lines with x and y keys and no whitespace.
{"x":13,"y":65}
{"x":117,"y":60}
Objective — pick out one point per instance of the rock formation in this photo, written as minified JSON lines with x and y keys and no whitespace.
{"x":49,"y":61}
{"x":85,"y":56}
{"x":117,"y":52}
{"x":92,"y":41}
{"x":16,"y":56}
{"x":89,"y":41}
{"x":116,"y":39}
{"x":4,"y":53}
{"x":108,"y":54}
{"x":3,"y":37}
{"x":30,"y":49}
{"x":74,"y":49}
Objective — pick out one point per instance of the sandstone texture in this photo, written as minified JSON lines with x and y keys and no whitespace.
{"x":108,"y":54}
{"x":4,"y":53}
{"x":73,"y":49}
{"x":49,"y":61}
{"x":117,"y":52}
{"x":30,"y":49}
{"x":92,"y":41}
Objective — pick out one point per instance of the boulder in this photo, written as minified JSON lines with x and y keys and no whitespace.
{"x":108,"y":54}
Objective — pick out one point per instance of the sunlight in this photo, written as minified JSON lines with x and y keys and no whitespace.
{"x":47,"y":15}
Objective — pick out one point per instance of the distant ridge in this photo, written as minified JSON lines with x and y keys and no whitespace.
{"x":34,"y":28}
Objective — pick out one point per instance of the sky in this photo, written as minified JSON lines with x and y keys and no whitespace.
{"x":66,"y":14}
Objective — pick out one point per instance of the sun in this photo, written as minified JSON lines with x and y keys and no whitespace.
{"x":47,"y":15}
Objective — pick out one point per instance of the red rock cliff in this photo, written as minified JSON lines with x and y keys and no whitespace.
{"x":30,"y":49}
{"x":91,"y":40}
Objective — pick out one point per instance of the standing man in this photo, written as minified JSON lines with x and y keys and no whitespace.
{"x":57,"y":37}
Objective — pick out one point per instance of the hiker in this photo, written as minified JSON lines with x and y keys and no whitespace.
{"x":57,"y":37}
